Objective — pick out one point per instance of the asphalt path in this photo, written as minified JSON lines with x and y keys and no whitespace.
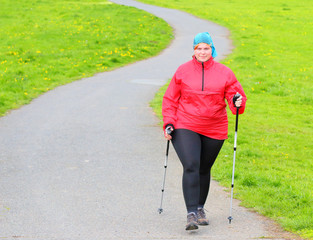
{"x":85,"y":161}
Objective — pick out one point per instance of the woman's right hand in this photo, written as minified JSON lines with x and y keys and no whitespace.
{"x":167,"y":132}
{"x":167,"y":136}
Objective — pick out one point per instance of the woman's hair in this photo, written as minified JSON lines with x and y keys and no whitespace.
{"x":198,"y":45}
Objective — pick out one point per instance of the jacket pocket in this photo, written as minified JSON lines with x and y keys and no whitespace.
{"x":203,"y":104}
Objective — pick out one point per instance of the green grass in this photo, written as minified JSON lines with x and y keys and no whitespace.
{"x":272,"y":59}
{"x":45,"y":43}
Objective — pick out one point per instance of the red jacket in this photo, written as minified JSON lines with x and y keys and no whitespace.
{"x":195,"y":98}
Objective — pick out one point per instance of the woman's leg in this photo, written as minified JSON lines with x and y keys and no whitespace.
{"x":210,"y":149}
{"x":187,"y":145}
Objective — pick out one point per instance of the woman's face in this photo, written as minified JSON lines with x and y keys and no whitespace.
{"x":203,"y":52}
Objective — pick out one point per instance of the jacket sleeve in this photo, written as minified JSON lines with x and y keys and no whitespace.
{"x":170,"y":101}
{"x":232,"y":87}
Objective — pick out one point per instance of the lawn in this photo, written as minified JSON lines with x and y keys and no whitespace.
{"x":272,"y":59}
{"x":45,"y":43}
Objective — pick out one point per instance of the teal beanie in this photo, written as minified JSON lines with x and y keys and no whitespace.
{"x":204,"y":38}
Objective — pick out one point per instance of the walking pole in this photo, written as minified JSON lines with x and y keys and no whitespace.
{"x":234,"y":161}
{"x":168,"y":131}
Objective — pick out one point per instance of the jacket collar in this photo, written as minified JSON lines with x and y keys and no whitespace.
{"x":207,"y":64}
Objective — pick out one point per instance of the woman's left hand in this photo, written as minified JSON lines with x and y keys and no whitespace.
{"x":238,"y":102}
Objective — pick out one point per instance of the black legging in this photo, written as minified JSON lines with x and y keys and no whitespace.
{"x":197,"y":154}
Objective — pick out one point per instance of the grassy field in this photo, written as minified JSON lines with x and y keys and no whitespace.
{"x":45,"y":43}
{"x":272,"y":59}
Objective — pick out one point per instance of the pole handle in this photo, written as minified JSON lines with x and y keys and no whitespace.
{"x":237,"y":95}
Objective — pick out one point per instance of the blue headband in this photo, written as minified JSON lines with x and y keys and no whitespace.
{"x":204,"y":38}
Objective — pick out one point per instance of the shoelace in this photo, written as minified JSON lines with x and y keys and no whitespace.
{"x":201,"y":213}
{"x":191,"y":217}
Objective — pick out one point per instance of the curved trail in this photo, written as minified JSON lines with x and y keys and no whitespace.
{"x":85,"y":161}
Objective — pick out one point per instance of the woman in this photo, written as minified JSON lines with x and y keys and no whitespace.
{"x":194,"y":110}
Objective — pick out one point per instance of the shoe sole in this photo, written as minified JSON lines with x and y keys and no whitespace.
{"x":203,"y":222}
{"x":191,"y":226}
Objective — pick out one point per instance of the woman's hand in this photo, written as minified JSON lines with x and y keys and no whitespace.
{"x":238,"y":102}
{"x":167,"y":136}
{"x":167,"y":132}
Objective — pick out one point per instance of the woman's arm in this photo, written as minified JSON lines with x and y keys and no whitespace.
{"x":170,"y":101}
{"x":233,"y":87}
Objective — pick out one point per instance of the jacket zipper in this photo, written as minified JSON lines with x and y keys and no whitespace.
{"x":202,"y":76}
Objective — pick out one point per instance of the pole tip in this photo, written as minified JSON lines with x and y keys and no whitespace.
{"x":229,"y":219}
{"x":160,"y":210}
